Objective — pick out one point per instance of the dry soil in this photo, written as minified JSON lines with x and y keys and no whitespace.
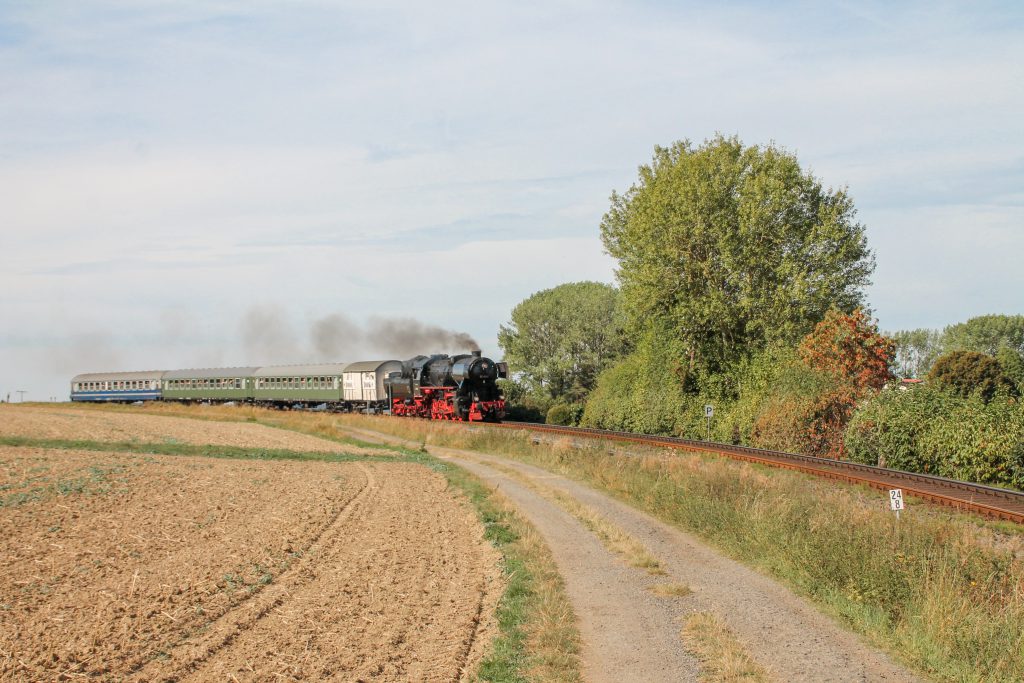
{"x":121,"y":566}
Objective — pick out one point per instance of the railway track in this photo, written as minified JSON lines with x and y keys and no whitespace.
{"x":988,"y":501}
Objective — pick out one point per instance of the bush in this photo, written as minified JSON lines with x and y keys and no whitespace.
{"x":1012,"y":365}
{"x":967,"y":372}
{"x":788,"y":411}
{"x":935,"y":430}
{"x":520,"y":405}
{"x":755,"y":380}
{"x":564,"y":414}
{"x":647,"y":392}
{"x":886,"y":429}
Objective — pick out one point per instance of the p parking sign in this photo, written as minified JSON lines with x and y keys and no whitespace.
{"x":709,"y":410}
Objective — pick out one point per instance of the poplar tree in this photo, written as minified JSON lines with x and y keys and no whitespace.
{"x":732,"y":248}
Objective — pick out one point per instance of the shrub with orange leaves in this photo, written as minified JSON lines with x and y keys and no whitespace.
{"x":849,"y":350}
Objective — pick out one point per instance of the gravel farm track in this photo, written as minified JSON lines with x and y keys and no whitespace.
{"x":124,"y":566}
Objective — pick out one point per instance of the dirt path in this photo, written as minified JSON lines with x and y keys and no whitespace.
{"x":780,"y":630}
{"x":610,"y":598}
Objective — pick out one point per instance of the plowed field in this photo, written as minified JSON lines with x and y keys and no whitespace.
{"x":44,"y":422}
{"x":119,"y":566}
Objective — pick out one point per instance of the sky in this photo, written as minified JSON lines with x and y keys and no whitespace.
{"x":214,"y":183}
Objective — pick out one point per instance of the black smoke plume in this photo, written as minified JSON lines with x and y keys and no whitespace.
{"x":406,"y":336}
{"x":268,"y":338}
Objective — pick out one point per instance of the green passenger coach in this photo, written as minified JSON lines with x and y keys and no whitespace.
{"x":210,"y":384}
{"x":298,"y":384}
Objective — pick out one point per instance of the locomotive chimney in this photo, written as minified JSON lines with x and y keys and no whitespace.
{"x":476,"y":353}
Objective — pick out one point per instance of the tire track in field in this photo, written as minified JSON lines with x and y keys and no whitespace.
{"x":222,"y":632}
{"x":396,"y":591}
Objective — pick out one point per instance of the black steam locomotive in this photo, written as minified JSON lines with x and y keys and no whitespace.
{"x":442,"y":387}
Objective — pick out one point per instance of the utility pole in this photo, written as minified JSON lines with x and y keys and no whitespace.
{"x":21,"y":394}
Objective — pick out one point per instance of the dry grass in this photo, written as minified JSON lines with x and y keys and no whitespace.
{"x":723,"y":658}
{"x":671,"y":590}
{"x":613,"y":538}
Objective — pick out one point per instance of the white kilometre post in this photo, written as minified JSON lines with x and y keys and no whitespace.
{"x":896,"y":501}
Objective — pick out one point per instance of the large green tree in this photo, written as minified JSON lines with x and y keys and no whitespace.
{"x":559,"y":340}
{"x":732,"y":248}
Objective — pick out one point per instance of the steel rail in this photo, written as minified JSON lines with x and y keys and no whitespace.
{"x":989,"y":501}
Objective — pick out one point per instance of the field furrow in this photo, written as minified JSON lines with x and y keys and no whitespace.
{"x":144,"y":567}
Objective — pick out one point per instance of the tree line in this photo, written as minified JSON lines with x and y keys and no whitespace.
{"x":741,"y":284}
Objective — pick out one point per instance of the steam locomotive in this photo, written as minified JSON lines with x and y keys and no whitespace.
{"x":448,"y":388}
{"x":462,"y":387}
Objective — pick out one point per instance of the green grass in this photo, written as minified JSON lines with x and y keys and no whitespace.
{"x":176,"y":448}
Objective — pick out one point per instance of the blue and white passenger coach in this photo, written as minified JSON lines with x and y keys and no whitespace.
{"x":125,"y":387}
